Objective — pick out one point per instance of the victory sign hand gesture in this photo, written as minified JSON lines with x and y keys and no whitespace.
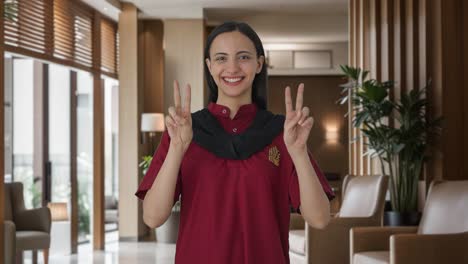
{"x":297,"y":124}
{"x":179,"y":120}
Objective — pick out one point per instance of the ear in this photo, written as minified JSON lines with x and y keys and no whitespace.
{"x":208,"y":64}
{"x":260,"y":62}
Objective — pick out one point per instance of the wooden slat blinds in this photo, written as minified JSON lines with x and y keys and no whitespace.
{"x":26,"y":28}
{"x":108,"y":46}
{"x":60,"y":31}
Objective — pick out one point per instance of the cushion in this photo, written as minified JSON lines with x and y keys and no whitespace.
{"x":372,"y":257}
{"x":446,"y":209}
{"x":296,"y":258}
{"x":27,"y":240}
{"x":297,"y":241}
{"x":361,"y":196}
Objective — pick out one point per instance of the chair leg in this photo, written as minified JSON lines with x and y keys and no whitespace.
{"x":45,"y":252}
{"x":34,"y":256}
{"x":19,"y":257}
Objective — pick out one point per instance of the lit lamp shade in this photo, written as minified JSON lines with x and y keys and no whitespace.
{"x":152,"y":122}
{"x":58,"y":211}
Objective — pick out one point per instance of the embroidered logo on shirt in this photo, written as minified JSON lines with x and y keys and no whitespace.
{"x":274,"y":155}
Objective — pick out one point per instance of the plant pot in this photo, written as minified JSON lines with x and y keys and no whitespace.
{"x":168,"y":232}
{"x":393,"y":218}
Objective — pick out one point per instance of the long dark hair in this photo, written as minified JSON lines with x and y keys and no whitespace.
{"x":260,"y":80}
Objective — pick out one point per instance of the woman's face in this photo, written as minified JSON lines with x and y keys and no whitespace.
{"x":233,"y":64}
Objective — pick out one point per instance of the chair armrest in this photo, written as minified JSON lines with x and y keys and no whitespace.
{"x":38,"y":219}
{"x":9,"y":242}
{"x":331,"y":244}
{"x":429,"y":249}
{"x":296,"y":222}
{"x":375,"y":238}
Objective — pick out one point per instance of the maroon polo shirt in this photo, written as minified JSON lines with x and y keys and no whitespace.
{"x":233,"y":211}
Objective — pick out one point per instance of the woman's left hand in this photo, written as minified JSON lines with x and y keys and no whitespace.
{"x":298,"y":123}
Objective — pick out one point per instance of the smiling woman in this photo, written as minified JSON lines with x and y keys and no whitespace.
{"x":238,"y":167}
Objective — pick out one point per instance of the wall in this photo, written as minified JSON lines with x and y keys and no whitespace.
{"x":320,"y":95}
{"x":290,"y":27}
{"x":339,"y":56}
{"x":183,"y":59}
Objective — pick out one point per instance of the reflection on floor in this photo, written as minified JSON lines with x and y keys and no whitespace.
{"x":118,"y":253}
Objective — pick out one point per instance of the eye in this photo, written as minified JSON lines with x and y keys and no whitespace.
{"x":220,"y":59}
{"x":244,"y":57}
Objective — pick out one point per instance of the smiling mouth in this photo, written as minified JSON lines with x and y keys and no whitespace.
{"x":232,"y":80}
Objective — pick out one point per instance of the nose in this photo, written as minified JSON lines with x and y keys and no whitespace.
{"x":232,"y":66}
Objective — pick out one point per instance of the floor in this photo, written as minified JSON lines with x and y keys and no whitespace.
{"x":117,"y":252}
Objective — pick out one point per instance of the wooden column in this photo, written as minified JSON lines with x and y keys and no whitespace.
{"x":98,"y":137}
{"x":73,"y":164}
{"x":129,"y":121}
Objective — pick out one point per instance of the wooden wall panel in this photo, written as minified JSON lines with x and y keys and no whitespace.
{"x":453,"y":102}
{"x":412,"y":41}
{"x":320,"y":95}
{"x":464,"y":85}
{"x":351,"y":61}
{"x":152,"y":61}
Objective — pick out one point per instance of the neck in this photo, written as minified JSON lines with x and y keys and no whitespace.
{"x":233,"y":104}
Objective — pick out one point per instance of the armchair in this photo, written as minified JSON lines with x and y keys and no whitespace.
{"x":363,"y":204}
{"x":9,"y":242}
{"x":32,"y":226}
{"x":442,"y":236}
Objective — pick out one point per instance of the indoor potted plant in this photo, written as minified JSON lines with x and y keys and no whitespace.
{"x":401,"y":149}
{"x":167,"y":232}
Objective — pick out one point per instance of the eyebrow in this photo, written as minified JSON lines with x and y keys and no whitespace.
{"x":224,"y":53}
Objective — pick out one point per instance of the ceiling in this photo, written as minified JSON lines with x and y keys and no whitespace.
{"x":164,"y":9}
{"x":195,"y":8}
{"x":276,"y":21}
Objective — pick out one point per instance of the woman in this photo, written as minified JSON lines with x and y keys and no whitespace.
{"x":237,"y":167}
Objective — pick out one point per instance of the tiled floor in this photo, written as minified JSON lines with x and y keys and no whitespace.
{"x":122,"y":253}
{"x":117,"y":253}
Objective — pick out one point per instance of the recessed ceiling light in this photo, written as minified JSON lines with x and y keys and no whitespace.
{"x":105,"y":8}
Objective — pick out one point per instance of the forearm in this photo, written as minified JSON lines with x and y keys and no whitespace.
{"x":159,"y":199}
{"x":315,"y":207}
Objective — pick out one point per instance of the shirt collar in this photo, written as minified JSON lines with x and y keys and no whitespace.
{"x":224,"y":111}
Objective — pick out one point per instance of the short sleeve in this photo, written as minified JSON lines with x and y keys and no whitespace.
{"x":294,"y":194}
{"x":153,"y":170}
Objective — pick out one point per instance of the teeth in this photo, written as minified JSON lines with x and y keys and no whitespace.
{"x":231,"y":80}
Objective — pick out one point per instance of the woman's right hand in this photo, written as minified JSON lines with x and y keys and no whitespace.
{"x":179,"y":120}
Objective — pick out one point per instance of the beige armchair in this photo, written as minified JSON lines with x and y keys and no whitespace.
{"x":363,"y":205}
{"x":442,"y":236}
{"x":32,"y":226}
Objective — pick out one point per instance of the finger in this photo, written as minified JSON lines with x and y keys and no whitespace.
{"x":175,"y":116}
{"x":309,"y":122}
{"x":287,"y":99}
{"x":170,"y":125}
{"x":305,"y":114}
{"x":170,"y":121}
{"x":299,"y":97}
{"x":291,"y":124}
{"x":176,"y":95}
{"x":187,"y":101}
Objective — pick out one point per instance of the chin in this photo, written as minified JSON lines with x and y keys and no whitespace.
{"x":228,"y":91}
